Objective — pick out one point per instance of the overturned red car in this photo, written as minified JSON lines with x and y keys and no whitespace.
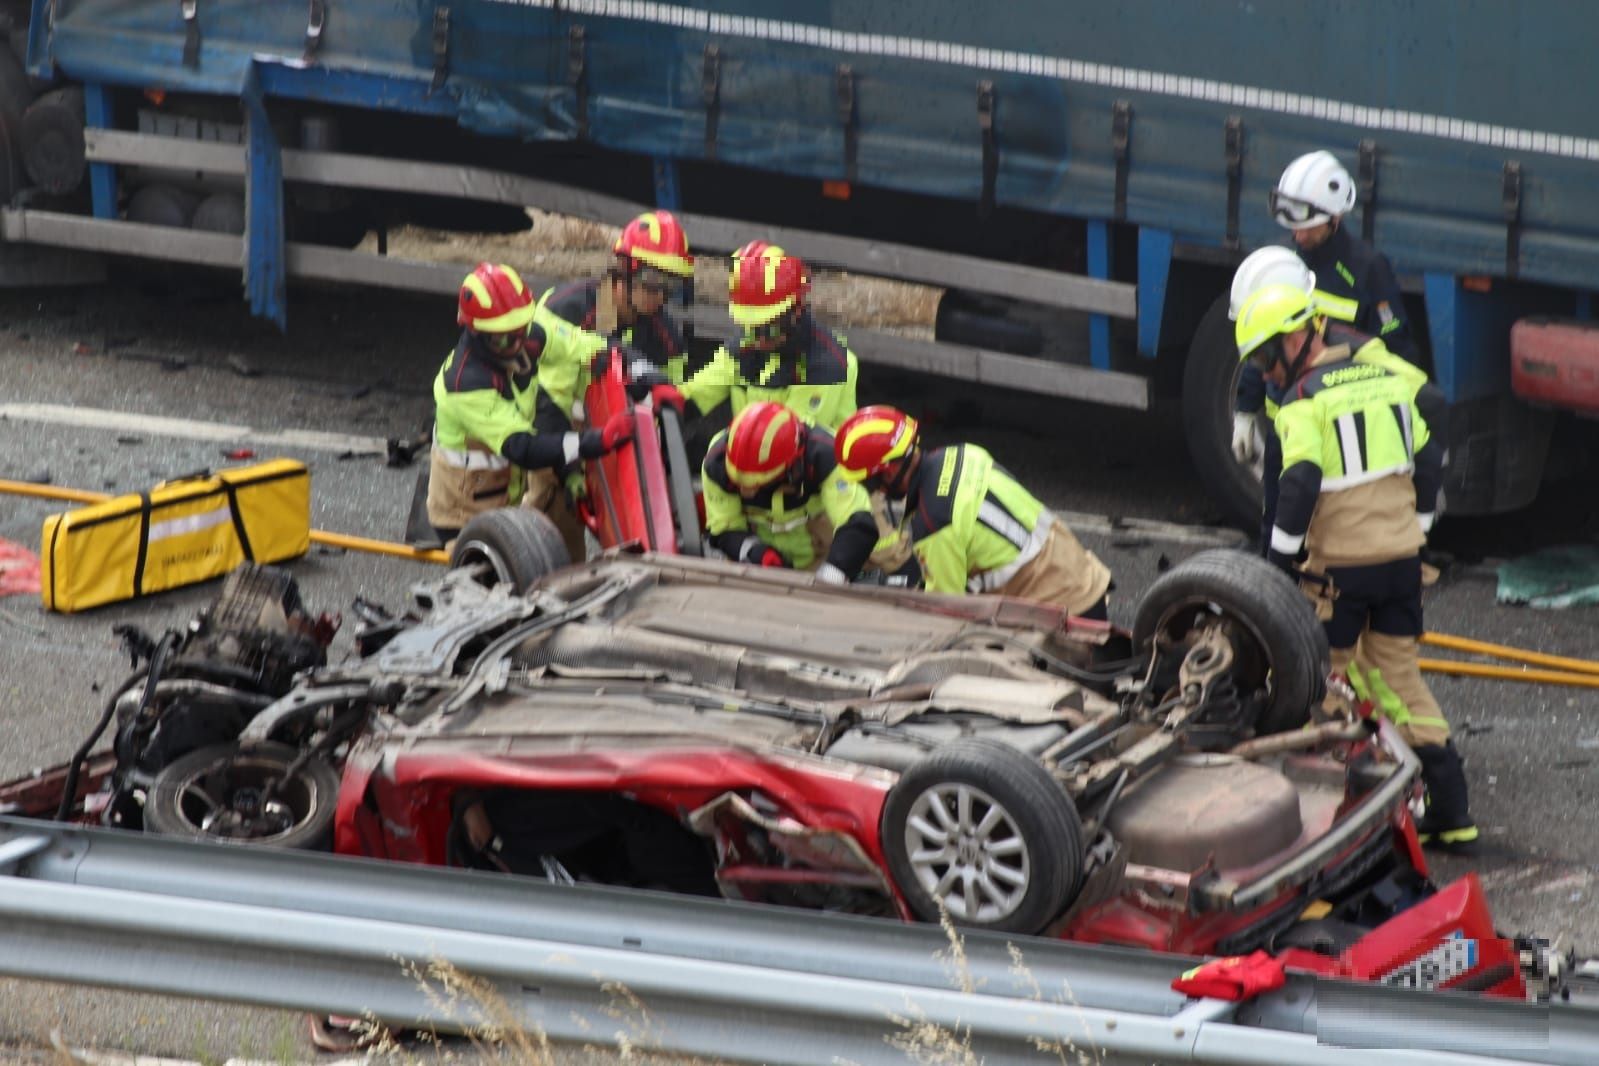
{"x":684,"y":725}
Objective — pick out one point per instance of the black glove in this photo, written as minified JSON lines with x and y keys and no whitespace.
{"x":618,"y":430}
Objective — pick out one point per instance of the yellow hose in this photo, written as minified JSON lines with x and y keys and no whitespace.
{"x":318,"y":536}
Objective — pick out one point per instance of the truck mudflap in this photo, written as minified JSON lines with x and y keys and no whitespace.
{"x":1555,"y":363}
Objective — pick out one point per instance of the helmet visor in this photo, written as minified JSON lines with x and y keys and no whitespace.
{"x":505,"y":345}
{"x":1294,"y":214}
{"x":658,"y":282}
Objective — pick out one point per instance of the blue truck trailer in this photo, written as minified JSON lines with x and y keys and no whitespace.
{"x":1080,"y":177}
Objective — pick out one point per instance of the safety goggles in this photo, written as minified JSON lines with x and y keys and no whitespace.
{"x":505,"y":344}
{"x":1292,"y":213}
{"x":659,"y":283}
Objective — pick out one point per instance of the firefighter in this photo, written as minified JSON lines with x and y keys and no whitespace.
{"x":1359,"y":486}
{"x":783,"y":354}
{"x":484,"y":397}
{"x":972,"y":526}
{"x":773,"y":497}
{"x":1355,"y":284}
{"x":626,"y":308}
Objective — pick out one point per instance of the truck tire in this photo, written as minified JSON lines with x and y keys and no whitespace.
{"x":52,"y":141}
{"x":221,"y":212}
{"x":1018,"y":819}
{"x":162,"y":205}
{"x":983,"y":322}
{"x":1210,"y":381}
{"x":16,"y":93}
{"x":1280,"y":651}
{"x":510,"y":546}
{"x":10,"y":165}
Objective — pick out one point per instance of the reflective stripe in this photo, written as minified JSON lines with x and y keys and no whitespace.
{"x":828,"y":574}
{"x":1426,"y":518}
{"x":786,"y":525}
{"x":1349,"y":443}
{"x":1349,"y":481}
{"x":1339,"y":307}
{"x":1001,"y":521}
{"x":991,"y":580}
{"x":571,"y":446}
{"x":1286,"y":542}
{"x":1402,"y":413}
{"x":472,"y":459}
{"x":176,"y":527}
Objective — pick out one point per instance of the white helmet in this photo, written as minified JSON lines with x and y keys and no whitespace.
{"x":1272,"y":265}
{"x":1314,"y":189}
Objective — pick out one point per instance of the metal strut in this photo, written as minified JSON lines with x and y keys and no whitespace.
{"x":1121,"y":123}
{"x":1234,"y":135}
{"x":985,"y":122}
{"x":1367,"y":186}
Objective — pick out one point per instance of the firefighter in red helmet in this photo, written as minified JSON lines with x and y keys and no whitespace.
{"x":783,"y":353}
{"x":773,"y":497}
{"x":973,"y":527}
{"x":484,"y":396}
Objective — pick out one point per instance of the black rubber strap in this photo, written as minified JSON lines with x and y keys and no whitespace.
{"x":238,"y":520}
{"x":577,"y":75}
{"x":711,"y":90}
{"x":1234,"y":135}
{"x":1512,"y":204}
{"x":1121,"y":125}
{"x":848,"y":118}
{"x":441,"y":47}
{"x":1367,"y":186}
{"x":985,"y":122}
{"x":315,"y":19}
{"x":144,"y":543}
{"x":191,"y":32}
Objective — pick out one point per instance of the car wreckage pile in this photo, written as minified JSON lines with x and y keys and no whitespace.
{"x":686,"y":725}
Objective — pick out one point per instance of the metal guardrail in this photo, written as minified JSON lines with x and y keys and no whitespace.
{"x":729,"y":982}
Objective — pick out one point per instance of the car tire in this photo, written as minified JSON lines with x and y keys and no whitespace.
{"x":1035,"y":836}
{"x":512,"y":546}
{"x":187,"y":789}
{"x":680,"y":484}
{"x":1288,"y":645}
{"x":1210,"y":384}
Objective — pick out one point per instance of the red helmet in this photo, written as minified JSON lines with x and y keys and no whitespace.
{"x":655,"y":239}
{"x":494,"y":300}
{"x":871,"y":439}
{"x":764,"y":441}
{"x":765,"y":283}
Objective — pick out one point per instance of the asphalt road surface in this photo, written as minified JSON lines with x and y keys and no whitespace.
{"x":356,"y":368}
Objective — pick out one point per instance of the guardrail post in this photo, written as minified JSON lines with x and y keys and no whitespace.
{"x":102,"y":176}
{"x":265,"y":268}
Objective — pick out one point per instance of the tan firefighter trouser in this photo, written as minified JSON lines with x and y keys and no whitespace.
{"x":544,"y":492}
{"x":1063,"y":573}
{"x":1388,"y":673}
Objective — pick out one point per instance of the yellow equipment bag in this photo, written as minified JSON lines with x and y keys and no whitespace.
{"x":178,"y":533}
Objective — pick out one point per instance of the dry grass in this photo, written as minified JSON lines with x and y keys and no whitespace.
{"x":561,"y":247}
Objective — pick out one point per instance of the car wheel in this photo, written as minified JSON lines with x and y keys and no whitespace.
{"x":220,"y":793}
{"x":981,"y":831}
{"x":1210,"y":386}
{"x":1280,"y":650}
{"x":510,"y":546}
{"x":680,"y":482}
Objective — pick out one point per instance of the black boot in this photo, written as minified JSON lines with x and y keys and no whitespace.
{"x":1447,"y":824}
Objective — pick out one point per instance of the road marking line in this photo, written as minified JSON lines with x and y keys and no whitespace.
{"x":187,"y":428}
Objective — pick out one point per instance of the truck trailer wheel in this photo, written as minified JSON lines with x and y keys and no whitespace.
{"x":15,"y":91}
{"x":1210,"y":382}
{"x":52,"y":141}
